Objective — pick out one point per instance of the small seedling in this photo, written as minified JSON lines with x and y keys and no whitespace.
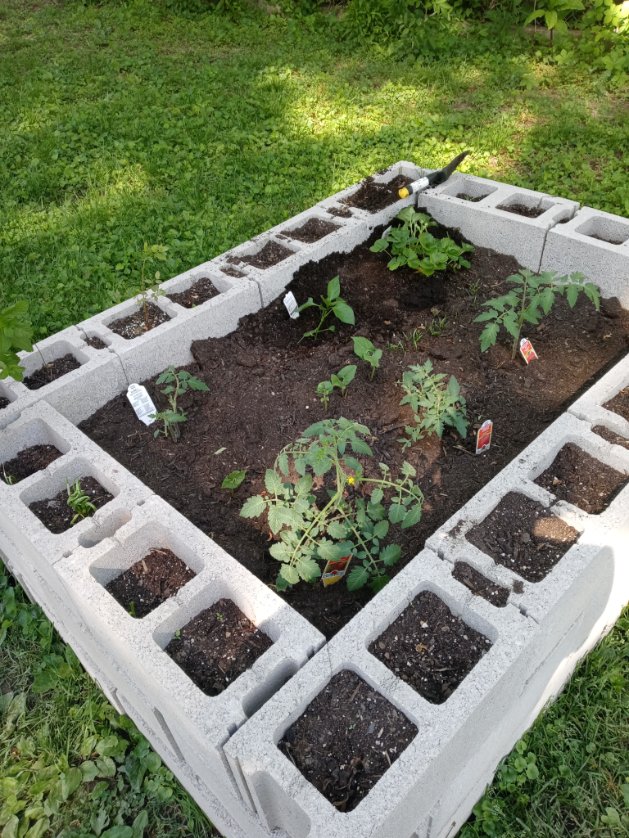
{"x":435,"y":404}
{"x":367,"y":352}
{"x":437,"y":326}
{"x":132,"y":609}
{"x":234,"y":479}
{"x":531,"y":298}
{"x":177,"y":384}
{"x":150,"y":291}
{"x":339,"y":380}
{"x":220,"y":616}
{"x":331,"y":304}
{"x":16,"y":333}
{"x":79,"y":502}
{"x":407,"y":340}
{"x":8,"y":478}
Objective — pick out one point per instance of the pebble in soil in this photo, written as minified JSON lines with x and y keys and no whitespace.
{"x":55,"y":513}
{"x":430,"y":648}
{"x":619,"y":404}
{"x":27,"y":462}
{"x":217,"y":646}
{"x":480,"y":585}
{"x":140,"y":322}
{"x":524,"y":536}
{"x":150,"y":581}
{"x":346,"y":739}
{"x":51,"y":371}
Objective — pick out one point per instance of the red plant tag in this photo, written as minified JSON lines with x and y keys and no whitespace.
{"x":483,"y":437}
{"x":334,"y":571}
{"x":527,"y":351}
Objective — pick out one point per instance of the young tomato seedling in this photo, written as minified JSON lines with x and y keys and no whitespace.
{"x":177,"y":384}
{"x":367,"y":352}
{"x":339,"y":380}
{"x":331,"y":304}
{"x":435,"y":404}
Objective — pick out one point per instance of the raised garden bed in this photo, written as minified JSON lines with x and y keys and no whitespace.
{"x":27,"y":462}
{"x":58,"y":516}
{"x":51,"y":371}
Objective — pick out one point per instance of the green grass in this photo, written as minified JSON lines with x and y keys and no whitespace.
{"x":126,"y":123}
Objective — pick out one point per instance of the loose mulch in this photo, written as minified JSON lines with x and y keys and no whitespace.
{"x":50,"y":372}
{"x":271,"y":254}
{"x":373,"y":196}
{"x":200,"y":292}
{"x":347,"y":739}
{"x":95,"y":342}
{"x":55,"y":513}
{"x":430,"y":648}
{"x":137,"y":324}
{"x":150,"y":581}
{"x":578,"y":478}
{"x":610,"y":436}
{"x":480,"y":585}
{"x":262,"y":380}
{"x":524,"y":536}
{"x":27,"y":462}
{"x":527,"y":212}
{"x":313,"y":230}
{"x":217,"y":646}
{"x":619,"y":404}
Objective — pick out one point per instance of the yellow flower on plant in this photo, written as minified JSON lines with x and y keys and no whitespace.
{"x":351,"y":480}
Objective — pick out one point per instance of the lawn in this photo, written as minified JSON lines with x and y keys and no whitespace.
{"x":126,"y":123}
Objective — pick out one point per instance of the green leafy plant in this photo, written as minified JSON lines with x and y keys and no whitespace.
{"x":411,"y":245}
{"x":234,"y":479}
{"x":79,"y":502}
{"x":177,"y":384}
{"x":554,"y":14}
{"x":150,"y":291}
{"x":339,"y":380}
{"x":435,"y":404}
{"x":332,"y":304}
{"x":16,"y":334}
{"x":321,"y":506}
{"x":367,"y":352}
{"x":8,"y":478}
{"x":437,"y":326}
{"x":531,"y":298}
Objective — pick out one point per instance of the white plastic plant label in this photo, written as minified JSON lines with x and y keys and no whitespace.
{"x":142,"y":403}
{"x":291,"y":305}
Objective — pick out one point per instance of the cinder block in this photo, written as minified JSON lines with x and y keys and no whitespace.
{"x":590,"y":406}
{"x":585,"y":245}
{"x":486,"y":221}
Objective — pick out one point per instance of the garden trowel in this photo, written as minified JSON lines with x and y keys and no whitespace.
{"x":433,"y":179}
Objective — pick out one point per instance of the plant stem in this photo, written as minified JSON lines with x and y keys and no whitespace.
{"x":516,"y":339}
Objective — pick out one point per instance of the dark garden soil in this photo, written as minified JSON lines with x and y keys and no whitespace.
{"x":95,"y":343}
{"x":339,"y":212}
{"x":430,"y":648}
{"x":217,"y":646}
{"x":578,"y":478}
{"x":619,"y":404}
{"x":27,"y":462}
{"x":523,"y":536}
{"x":55,"y":513}
{"x":313,"y":230}
{"x":610,"y":436}
{"x":271,"y":254}
{"x":527,"y":212}
{"x":262,"y":383}
{"x":137,"y":324}
{"x":150,"y":581}
{"x":233,"y":272}
{"x":4,"y":402}
{"x":200,"y":292}
{"x":49,"y":372}
{"x":480,"y":585}
{"x":346,"y":739}
{"x":373,"y":196}
{"x":473,"y":198}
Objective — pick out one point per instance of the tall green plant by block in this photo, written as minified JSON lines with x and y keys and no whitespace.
{"x":554,"y":14}
{"x":16,"y":334}
{"x":531,"y":298}
{"x":435,"y":404}
{"x":310,"y":530}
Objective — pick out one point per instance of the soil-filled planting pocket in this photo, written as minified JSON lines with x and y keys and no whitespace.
{"x":313,"y":230}
{"x":346,"y":740}
{"x":200,"y":292}
{"x":27,"y":462}
{"x":610,"y":436}
{"x":217,"y":646}
{"x":4,"y":402}
{"x":582,"y":480}
{"x":271,"y":254}
{"x":50,"y":372}
{"x":619,"y":404}
{"x":150,"y":581}
{"x":373,"y":196}
{"x":56,"y":514}
{"x":146,"y":318}
{"x":521,"y":209}
{"x":430,"y":648}
{"x":524,"y":536}
{"x":480,"y":585}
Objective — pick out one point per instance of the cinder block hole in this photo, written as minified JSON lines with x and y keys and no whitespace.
{"x":82,"y":496}
{"x":141,"y":319}
{"x":216,"y":646}
{"x":43,"y":370}
{"x":611,"y":436}
{"x":272,"y":683}
{"x":353,"y":727}
{"x":373,"y":195}
{"x":28,"y":461}
{"x":6,"y":396}
{"x":229,"y":271}
{"x":104,"y":529}
{"x":468,"y":189}
{"x":619,"y":404}
{"x":580,"y":479}
{"x":269,"y":254}
{"x":524,"y":205}
{"x":312,"y":230}
{"x":195,"y":294}
{"x":605,"y":229}
{"x":480,"y":585}
{"x":96,"y":341}
{"x":430,"y":648}
{"x":168,"y":734}
{"x":524,"y":536}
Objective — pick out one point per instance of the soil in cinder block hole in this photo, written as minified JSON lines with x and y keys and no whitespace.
{"x":137,"y":324}
{"x":346,"y":739}
{"x":339,"y":212}
{"x":263,"y":379}
{"x":521,"y":209}
{"x":430,"y":648}
{"x":473,"y":198}
{"x":480,"y":585}
{"x":200,"y":292}
{"x":4,"y":402}
{"x":524,"y":536}
{"x":50,"y":372}
{"x":271,"y":254}
{"x":373,"y":196}
{"x":233,"y":272}
{"x":610,"y":436}
{"x":313,"y":230}
{"x":619,"y":404}
{"x":150,"y":581}
{"x":578,"y":478}
{"x":95,"y":342}
{"x":217,"y":646}
{"x":55,"y":513}
{"x":27,"y":462}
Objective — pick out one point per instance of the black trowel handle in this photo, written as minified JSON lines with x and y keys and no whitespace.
{"x":433,"y":179}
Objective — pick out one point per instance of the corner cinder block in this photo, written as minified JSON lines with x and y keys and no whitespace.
{"x":484,"y":217}
{"x":596,"y":244}
{"x":591,"y":405}
{"x":447,"y":736}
